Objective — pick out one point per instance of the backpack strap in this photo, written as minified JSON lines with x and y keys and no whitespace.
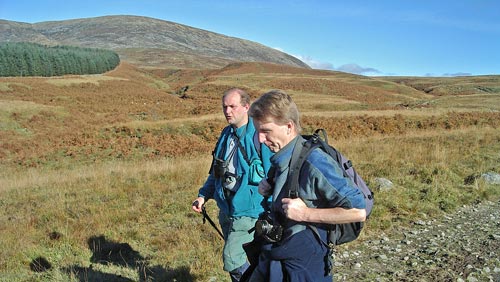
{"x":299,"y":156}
{"x":316,"y":233}
{"x":244,"y":152}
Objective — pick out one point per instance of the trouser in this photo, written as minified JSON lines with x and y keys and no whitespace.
{"x":238,"y":272}
{"x":298,"y":258}
{"x":236,"y":234}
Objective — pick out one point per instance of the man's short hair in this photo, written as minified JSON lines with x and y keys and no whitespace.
{"x":244,"y":97}
{"x":276,"y":106}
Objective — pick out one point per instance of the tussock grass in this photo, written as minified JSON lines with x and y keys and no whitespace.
{"x":9,"y":86}
{"x":14,"y":113}
{"x":104,"y":192}
{"x":428,"y":170}
{"x":489,"y":102}
{"x":146,"y":204}
{"x":81,"y":79}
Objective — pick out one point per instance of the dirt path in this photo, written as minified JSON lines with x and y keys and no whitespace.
{"x":463,"y":246}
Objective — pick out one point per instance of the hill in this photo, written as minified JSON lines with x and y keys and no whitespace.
{"x":147,"y":41}
{"x":97,"y":172}
{"x":460,"y":85}
{"x":177,"y":112}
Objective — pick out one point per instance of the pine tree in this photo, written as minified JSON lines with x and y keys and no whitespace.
{"x":29,"y":59}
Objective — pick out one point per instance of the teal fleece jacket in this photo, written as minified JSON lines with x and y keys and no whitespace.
{"x":246,"y":201}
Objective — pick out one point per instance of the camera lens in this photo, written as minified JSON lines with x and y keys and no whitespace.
{"x":261,"y":227}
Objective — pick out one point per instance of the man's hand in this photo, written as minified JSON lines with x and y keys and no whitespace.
{"x":295,"y":209}
{"x":197,"y":204}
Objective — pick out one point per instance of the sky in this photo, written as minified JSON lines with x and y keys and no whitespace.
{"x":367,"y":37}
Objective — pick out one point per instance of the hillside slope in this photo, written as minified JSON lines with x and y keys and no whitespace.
{"x":134,"y":111}
{"x":133,"y":37}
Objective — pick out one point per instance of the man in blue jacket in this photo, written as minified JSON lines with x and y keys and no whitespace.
{"x":325,"y":197}
{"x":239,"y":163}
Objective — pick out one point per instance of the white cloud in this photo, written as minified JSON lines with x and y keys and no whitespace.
{"x":357,"y":69}
{"x":314,"y":63}
{"x":458,"y":74}
{"x":449,"y":74}
{"x":350,"y":68}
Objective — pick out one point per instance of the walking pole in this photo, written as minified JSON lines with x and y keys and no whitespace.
{"x":206,"y":217}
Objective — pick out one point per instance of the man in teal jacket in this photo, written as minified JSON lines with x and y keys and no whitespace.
{"x":239,"y":163}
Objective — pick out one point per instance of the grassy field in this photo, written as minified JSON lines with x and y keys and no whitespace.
{"x":97,"y":174}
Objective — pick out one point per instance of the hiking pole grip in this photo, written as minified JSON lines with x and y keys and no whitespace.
{"x":195,"y":204}
{"x":206,"y":217}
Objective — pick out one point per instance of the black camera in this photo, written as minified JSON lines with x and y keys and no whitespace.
{"x":219,"y":167}
{"x":265,"y":228}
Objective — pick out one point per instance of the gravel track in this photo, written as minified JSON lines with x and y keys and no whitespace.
{"x":463,"y":246}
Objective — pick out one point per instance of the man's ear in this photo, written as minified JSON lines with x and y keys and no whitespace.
{"x":290,"y":127}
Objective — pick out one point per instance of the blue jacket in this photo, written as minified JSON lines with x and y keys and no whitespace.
{"x":321,"y":182}
{"x":246,"y":201}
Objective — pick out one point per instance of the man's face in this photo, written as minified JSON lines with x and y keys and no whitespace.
{"x":235,"y":113}
{"x":273,"y":135}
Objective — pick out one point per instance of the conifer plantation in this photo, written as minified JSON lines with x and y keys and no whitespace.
{"x":30,"y":59}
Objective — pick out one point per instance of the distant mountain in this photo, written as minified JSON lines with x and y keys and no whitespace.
{"x":147,"y":41}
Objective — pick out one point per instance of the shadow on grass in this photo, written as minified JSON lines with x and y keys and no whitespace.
{"x":106,"y":252}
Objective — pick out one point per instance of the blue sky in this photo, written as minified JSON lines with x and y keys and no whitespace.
{"x":398,"y":37}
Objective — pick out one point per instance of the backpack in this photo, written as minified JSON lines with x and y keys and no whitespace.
{"x":337,"y":233}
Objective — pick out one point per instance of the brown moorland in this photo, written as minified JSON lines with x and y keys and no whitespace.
{"x":108,"y":164}
{"x":132,"y":111}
